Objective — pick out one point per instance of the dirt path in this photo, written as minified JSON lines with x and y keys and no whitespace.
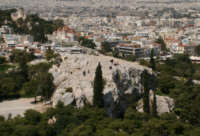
{"x":19,"y":106}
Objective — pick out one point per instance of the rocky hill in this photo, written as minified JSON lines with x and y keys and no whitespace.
{"x":74,"y":81}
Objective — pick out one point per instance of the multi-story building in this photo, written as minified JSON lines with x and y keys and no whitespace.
{"x":129,"y":49}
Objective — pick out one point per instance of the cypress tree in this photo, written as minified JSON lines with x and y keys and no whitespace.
{"x":152,"y":61}
{"x":98,"y":88}
{"x":161,"y":41}
{"x":145,"y":82}
{"x":154,"y":105}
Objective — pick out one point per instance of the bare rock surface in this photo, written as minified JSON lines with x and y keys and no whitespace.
{"x":164,"y":104}
{"x":123,"y":80}
{"x":63,"y":96}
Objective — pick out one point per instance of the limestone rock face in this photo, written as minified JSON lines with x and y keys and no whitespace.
{"x":165,"y":104}
{"x":123,"y":80}
{"x":65,"y":97}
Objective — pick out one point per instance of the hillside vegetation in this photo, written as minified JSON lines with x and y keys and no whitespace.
{"x":94,"y":121}
{"x":32,"y":24}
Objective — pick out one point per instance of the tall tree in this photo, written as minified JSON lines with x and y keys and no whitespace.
{"x":162,"y":43}
{"x":145,"y":82}
{"x":152,"y":61}
{"x":197,"y":50}
{"x":154,"y":105}
{"x":38,"y":34}
{"x":106,"y":47}
{"x":40,"y":82}
{"x":22,"y":58}
{"x":2,"y":60}
{"x":86,"y":42}
{"x":47,"y":87}
{"x":24,"y":68}
{"x":98,"y":88}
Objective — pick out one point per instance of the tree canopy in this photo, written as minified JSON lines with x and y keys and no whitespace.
{"x":26,"y":80}
{"x":161,"y":41}
{"x":106,"y":47}
{"x":94,"y":121}
{"x":33,"y":25}
{"x":87,"y":42}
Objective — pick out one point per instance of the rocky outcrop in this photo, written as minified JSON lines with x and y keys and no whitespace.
{"x":63,"y":96}
{"x":164,"y":104}
{"x":123,"y":81}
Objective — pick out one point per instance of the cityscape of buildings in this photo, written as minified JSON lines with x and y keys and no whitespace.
{"x":99,"y":67}
{"x":133,"y":34}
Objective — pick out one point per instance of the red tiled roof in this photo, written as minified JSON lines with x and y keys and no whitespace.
{"x":37,"y":51}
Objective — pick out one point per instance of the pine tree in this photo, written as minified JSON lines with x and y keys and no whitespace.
{"x":145,"y":82}
{"x":154,"y":105}
{"x":98,"y":88}
{"x":152,"y":61}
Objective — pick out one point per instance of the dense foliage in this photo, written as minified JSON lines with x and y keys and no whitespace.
{"x":90,"y":121}
{"x":106,"y":47}
{"x":5,"y":15}
{"x":26,"y":80}
{"x":40,"y":82}
{"x":175,"y":79}
{"x":87,"y":42}
{"x":53,"y":57}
